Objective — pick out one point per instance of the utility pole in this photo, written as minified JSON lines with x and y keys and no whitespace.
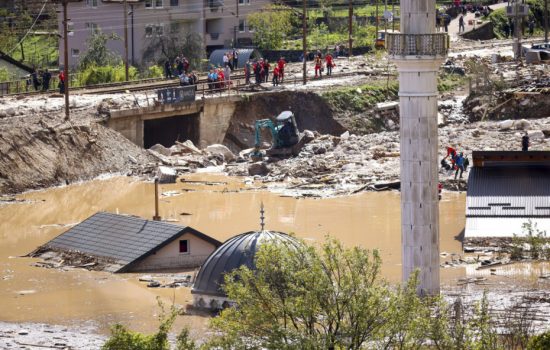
{"x":66,"y":58}
{"x":545,"y":21}
{"x":126,"y":39}
{"x":304,"y":41}
{"x":385,"y":19}
{"x":237,"y":25}
{"x":132,"y":11}
{"x":350,"y":28}
{"x":376,"y":34}
{"x":393,"y":15}
{"x":517,"y":51}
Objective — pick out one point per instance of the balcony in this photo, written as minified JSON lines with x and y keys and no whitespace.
{"x":417,"y":44}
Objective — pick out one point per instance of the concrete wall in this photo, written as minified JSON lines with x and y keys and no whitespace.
{"x":214,"y":118}
{"x":169,"y":256}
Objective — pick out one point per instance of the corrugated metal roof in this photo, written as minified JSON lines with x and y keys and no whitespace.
{"x":125,"y":239}
{"x":234,"y":253}
{"x":522,"y":192}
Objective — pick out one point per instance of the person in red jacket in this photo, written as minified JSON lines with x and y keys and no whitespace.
{"x":329,"y":63}
{"x":281,"y":65}
{"x":452,"y":153}
{"x":61,"y":82}
{"x":276,"y":74}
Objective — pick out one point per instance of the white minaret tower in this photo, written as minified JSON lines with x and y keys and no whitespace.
{"x":418,"y":51}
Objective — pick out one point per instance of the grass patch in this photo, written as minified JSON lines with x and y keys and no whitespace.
{"x":448,"y":82}
{"x":358,"y":99}
{"x":39,"y":50}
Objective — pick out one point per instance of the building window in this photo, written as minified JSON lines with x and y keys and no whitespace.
{"x":93,"y":27}
{"x":184,"y":246}
{"x":91,"y":3}
{"x":174,"y":3}
{"x":148,"y":4}
{"x":75,"y":52}
{"x":158,"y":4}
{"x":244,"y":2}
{"x":242,"y":25}
{"x":154,"y":30}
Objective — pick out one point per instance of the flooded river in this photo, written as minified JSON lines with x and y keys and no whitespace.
{"x":221,"y":209}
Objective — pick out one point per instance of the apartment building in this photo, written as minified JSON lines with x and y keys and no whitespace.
{"x":220,"y":22}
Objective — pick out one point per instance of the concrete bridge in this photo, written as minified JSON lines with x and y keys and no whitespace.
{"x":204,"y":121}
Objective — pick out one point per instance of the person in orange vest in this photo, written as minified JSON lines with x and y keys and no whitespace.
{"x":281,"y":65}
{"x":329,"y":63}
{"x":318,"y":65}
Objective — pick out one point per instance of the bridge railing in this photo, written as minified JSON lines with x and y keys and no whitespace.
{"x":417,"y":44}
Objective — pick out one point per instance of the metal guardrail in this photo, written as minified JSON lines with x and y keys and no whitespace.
{"x":417,"y":44}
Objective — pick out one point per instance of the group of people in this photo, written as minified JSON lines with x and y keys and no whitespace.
{"x":459,"y":162}
{"x":321,"y":62}
{"x":41,"y":80}
{"x":260,"y":68}
{"x":180,"y":66}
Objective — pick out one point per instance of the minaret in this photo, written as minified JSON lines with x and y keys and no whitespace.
{"x":418,"y":51}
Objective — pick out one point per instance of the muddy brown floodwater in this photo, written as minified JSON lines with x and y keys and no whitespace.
{"x":222,"y":210}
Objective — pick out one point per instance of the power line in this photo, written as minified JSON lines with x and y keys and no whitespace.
{"x":27,"y":33}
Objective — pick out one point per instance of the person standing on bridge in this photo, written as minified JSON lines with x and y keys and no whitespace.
{"x":525,"y":142}
{"x":46,"y":77}
{"x":61,"y":82}
{"x":281,"y":65}
{"x":247,"y":67}
{"x":461,"y":24}
{"x":168,"y":69}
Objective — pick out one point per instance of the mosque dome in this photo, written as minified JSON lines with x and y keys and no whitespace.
{"x":234,"y":253}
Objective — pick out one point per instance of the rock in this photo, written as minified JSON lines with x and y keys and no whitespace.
{"x":188,"y":147}
{"x":535,"y":135}
{"x":477,"y":132}
{"x":384,"y":106}
{"x":525,"y":102}
{"x":505,"y":124}
{"x":161,"y":149}
{"x":146,"y":278}
{"x":522,"y":124}
{"x":166,"y":175}
{"x":23,"y":332}
{"x":546,"y":132}
{"x":228,"y":156}
{"x":345,"y":135}
{"x":3,"y":114}
{"x":258,"y":168}
{"x":10,"y":112}
{"x":308,"y":136}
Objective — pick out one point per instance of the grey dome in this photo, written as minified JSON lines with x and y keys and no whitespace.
{"x":216,"y":57}
{"x":234,"y":253}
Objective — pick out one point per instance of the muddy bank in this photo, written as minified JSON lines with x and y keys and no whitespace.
{"x":311,"y":111}
{"x":47,"y":152}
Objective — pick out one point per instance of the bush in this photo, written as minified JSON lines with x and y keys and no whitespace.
{"x":105,"y":74}
{"x":124,"y":339}
{"x":539,"y":342}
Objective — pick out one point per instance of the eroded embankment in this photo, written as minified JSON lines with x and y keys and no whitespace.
{"x":40,"y":154}
{"x":311,"y":110}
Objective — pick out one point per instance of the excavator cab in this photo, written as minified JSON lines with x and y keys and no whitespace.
{"x":287,"y":130}
{"x":284,"y":133}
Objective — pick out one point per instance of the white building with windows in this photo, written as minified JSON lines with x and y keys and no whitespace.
{"x":221,"y":23}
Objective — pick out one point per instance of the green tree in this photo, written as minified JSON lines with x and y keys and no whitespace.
{"x":271,"y":25}
{"x":302,"y":298}
{"x":159,"y":48}
{"x":97,"y":53}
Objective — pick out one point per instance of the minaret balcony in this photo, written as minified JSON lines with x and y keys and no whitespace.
{"x":418,"y":45}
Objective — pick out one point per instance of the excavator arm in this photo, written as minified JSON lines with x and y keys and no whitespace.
{"x":265,"y":124}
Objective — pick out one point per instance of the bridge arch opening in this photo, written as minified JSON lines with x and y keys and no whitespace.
{"x":166,"y":131}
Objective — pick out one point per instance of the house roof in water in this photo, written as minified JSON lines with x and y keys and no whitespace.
{"x":506,"y":190}
{"x":124,"y":239}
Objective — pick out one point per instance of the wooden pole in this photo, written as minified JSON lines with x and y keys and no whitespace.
{"x":545,"y":21}
{"x":66,"y":58}
{"x":350,"y":28}
{"x":304,"y":40}
{"x":376,"y":32}
{"x":157,"y":216}
{"x":126,"y":69}
{"x":393,"y":15}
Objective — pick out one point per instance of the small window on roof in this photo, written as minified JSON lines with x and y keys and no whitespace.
{"x":184,"y":246}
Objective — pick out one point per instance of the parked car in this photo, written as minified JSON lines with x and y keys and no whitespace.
{"x":543,"y":49}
